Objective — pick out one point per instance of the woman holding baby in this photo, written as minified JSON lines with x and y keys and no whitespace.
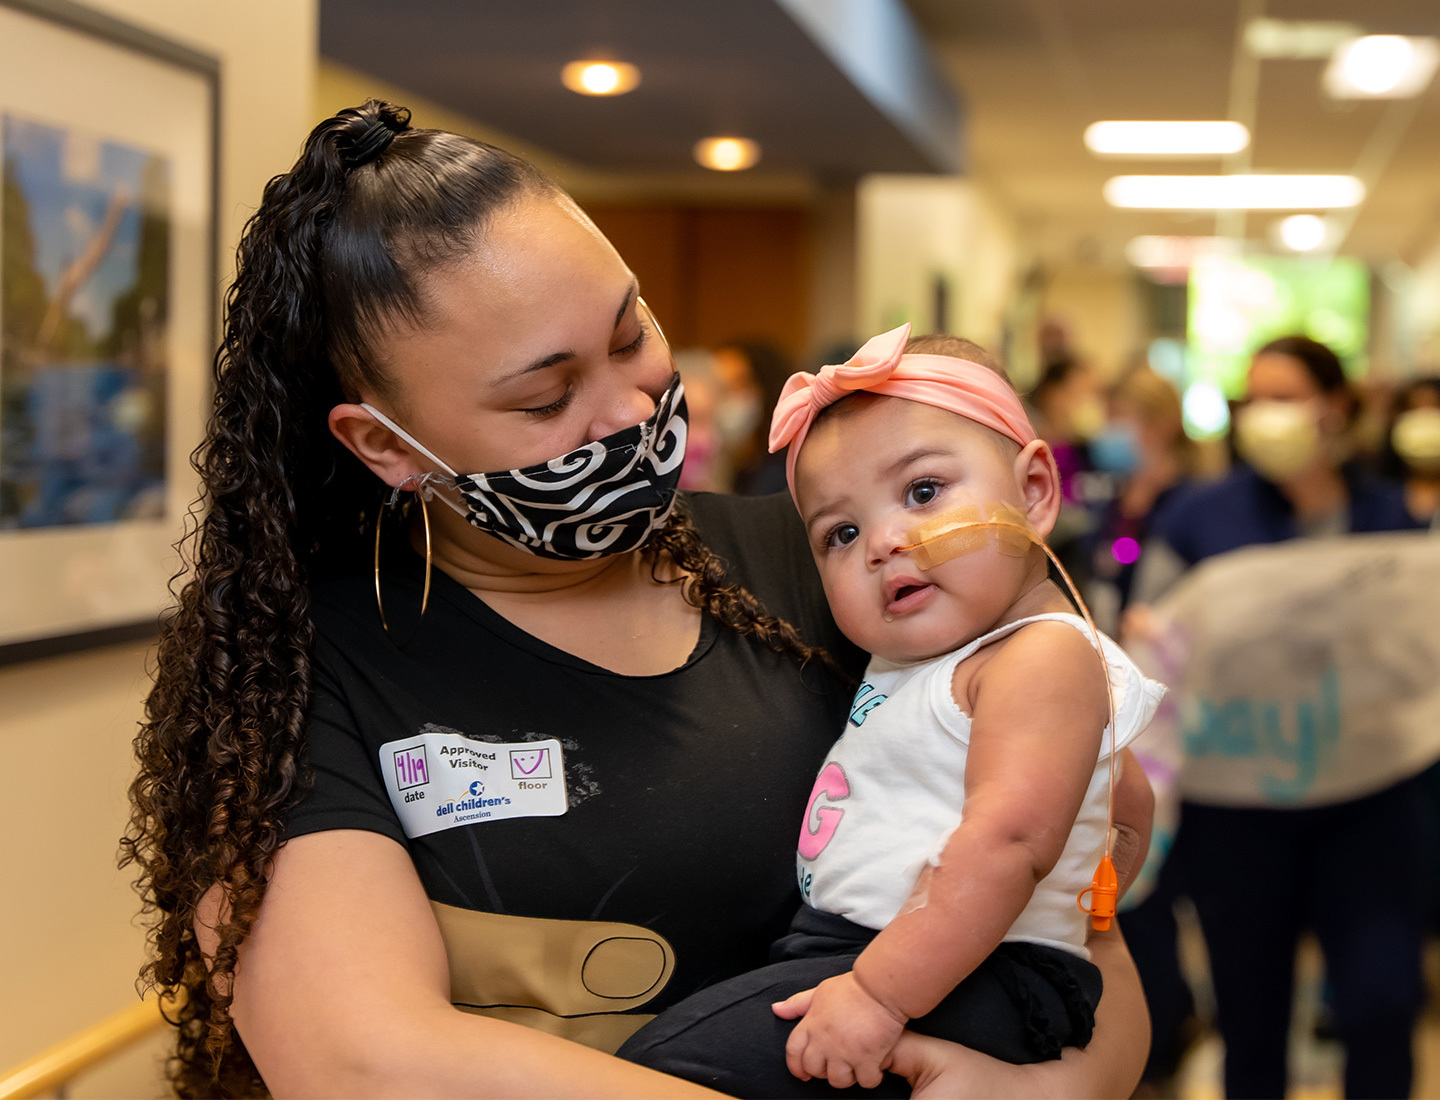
{"x":467,"y":841}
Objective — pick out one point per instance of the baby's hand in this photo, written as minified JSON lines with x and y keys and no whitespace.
{"x":846,"y":1035}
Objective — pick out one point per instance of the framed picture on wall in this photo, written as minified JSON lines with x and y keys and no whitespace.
{"x":108,"y":140}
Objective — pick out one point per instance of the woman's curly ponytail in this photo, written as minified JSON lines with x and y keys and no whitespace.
{"x":318,"y":273}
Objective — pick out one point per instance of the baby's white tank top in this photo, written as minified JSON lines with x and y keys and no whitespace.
{"x":893,"y":789}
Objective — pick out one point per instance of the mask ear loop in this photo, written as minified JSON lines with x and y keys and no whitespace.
{"x":1104,"y":888}
{"x":421,"y":489}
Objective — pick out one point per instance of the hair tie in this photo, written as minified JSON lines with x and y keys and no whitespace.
{"x":379,"y":132}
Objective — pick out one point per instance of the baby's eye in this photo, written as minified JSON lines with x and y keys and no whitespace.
{"x":922,"y":492}
{"x":842,"y":534}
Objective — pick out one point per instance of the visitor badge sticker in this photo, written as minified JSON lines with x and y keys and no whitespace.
{"x":440,"y":780}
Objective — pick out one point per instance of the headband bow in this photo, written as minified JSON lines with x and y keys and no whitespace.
{"x":881,"y":366}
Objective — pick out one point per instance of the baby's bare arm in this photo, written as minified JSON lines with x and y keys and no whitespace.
{"x":1038,"y":709}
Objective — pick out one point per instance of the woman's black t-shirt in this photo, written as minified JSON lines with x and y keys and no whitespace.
{"x":684,"y":791}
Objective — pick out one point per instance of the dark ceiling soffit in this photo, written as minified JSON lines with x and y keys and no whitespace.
{"x":878,"y":47}
{"x":709,"y":66}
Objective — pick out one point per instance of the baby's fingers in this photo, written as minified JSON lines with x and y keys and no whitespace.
{"x":814,"y":1062}
{"x":795,"y":1051}
{"x":869,"y":1075}
{"x":792,"y":1008}
{"x":840,"y":1074}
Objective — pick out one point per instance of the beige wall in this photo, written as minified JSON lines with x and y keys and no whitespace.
{"x":1102,"y":309}
{"x":70,"y":947}
{"x":913,"y":229}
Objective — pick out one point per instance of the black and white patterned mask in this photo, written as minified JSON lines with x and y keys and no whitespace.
{"x":600,"y":499}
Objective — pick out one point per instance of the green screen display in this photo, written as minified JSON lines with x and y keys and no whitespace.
{"x":1238,"y":303}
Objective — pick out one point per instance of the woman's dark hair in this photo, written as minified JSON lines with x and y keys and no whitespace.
{"x":334,"y":258}
{"x":1322,"y":364}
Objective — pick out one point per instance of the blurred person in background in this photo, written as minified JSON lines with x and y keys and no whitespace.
{"x":1258,"y":876}
{"x":1070,"y":408}
{"x":1148,"y":457}
{"x":706,"y":461}
{"x":755,"y":372}
{"x":1069,"y":411}
{"x":1412,"y":447}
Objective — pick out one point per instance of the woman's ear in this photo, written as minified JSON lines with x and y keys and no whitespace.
{"x":389,"y":457}
{"x":1039,"y":481}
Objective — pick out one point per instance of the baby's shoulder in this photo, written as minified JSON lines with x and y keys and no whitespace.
{"x":1039,"y":660}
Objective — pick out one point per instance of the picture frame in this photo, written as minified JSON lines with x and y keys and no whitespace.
{"x":109,"y":318}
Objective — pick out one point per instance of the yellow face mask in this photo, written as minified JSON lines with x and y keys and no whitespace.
{"x":971,"y":528}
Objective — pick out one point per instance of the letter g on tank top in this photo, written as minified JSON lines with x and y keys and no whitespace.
{"x":893,"y":789}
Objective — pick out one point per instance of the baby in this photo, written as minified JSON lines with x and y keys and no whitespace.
{"x":966,"y":804}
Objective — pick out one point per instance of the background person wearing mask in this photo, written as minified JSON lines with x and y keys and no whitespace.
{"x":1149,"y":459}
{"x":1259,"y":875}
{"x":754,"y":372}
{"x":1412,"y":451}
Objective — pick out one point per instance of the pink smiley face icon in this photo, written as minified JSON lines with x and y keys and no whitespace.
{"x":530,"y":764}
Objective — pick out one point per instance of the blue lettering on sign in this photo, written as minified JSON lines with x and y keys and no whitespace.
{"x":1257,"y":728}
{"x":866,"y":700}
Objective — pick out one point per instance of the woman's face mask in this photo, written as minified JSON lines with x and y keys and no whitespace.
{"x":1416,"y":439}
{"x":600,"y":499}
{"x":1116,"y":450}
{"x":1278,"y":439}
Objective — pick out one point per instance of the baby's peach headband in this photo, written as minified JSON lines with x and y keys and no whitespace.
{"x":881,"y":366}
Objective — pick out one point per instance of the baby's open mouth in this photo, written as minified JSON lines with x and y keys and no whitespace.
{"x":909,"y":594}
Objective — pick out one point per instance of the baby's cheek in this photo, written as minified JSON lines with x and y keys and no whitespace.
{"x":855,"y":611}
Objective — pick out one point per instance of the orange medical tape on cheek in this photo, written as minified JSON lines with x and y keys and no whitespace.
{"x":970,"y":528}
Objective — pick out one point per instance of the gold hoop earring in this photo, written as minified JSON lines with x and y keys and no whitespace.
{"x":379,"y":524}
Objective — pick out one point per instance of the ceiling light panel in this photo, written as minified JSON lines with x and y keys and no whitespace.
{"x":1171,"y":253}
{"x":1234,"y":192}
{"x":1166,"y":139}
{"x":1382,"y":66}
{"x":1291,"y":39}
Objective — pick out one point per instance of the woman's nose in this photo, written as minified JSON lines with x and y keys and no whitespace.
{"x":619,"y":410}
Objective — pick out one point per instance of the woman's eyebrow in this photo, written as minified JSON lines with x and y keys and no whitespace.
{"x":631,"y":293}
{"x":561,"y":356}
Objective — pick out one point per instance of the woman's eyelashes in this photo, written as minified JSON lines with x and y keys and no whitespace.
{"x":634,"y":345}
{"x":557,"y":406}
{"x":541,"y":412}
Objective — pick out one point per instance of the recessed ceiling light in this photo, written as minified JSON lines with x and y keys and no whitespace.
{"x":1234,"y":192}
{"x":1302,"y":232}
{"x":727,"y":154}
{"x":1166,"y":139}
{"x":1382,"y":66}
{"x":600,"y":77}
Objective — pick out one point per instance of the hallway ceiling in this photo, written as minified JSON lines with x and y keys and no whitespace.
{"x":1036,"y":72}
